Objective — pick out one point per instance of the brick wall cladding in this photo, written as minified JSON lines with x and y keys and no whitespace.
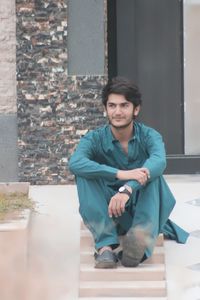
{"x":7,"y":57}
{"x":54,"y":109}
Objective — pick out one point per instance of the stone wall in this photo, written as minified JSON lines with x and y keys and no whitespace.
{"x":54,"y":109}
{"x":50,"y":129}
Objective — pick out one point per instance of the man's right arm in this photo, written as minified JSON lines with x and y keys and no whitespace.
{"x":141,"y":175}
{"x":152,"y":167}
{"x":82,"y":161}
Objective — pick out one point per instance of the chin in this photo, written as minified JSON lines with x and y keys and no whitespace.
{"x":116,"y":124}
{"x":120,"y":126}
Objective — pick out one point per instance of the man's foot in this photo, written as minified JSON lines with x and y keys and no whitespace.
{"x":134,"y":244}
{"x":105,"y":260}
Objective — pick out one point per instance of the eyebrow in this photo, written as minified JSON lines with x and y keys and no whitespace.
{"x":122,"y":103}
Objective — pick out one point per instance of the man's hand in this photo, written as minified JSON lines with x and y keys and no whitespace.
{"x":117,"y":204}
{"x":139,"y":174}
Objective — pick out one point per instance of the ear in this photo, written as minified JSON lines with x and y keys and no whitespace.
{"x":136,"y":111}
{"x":104,"y":111}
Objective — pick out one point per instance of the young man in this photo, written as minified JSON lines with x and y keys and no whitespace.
{"x":121,"y":189}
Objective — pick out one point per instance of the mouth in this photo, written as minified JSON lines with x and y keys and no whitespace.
{"x":118,"y":120}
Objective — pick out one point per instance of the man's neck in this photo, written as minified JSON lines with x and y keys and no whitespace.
{"x":123,"y":134}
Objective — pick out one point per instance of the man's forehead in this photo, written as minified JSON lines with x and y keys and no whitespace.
{"x":117,"y":98}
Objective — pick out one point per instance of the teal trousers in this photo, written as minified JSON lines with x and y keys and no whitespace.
{"x":149,"y":207}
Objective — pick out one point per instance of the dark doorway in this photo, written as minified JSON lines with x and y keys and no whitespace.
{"x":145,"y":44}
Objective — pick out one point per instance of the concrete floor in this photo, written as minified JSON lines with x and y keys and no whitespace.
{"x":53,"y":252}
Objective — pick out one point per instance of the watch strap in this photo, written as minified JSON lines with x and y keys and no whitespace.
{"x":125,"y":191}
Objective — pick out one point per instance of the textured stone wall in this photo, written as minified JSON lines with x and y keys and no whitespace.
{"x":50,"y":129}
{"x":7,"y":57}
{"x":54,"y":109}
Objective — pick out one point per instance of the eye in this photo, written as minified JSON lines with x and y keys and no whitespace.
{"x":125,"y":105}
{"x":111,"y":105}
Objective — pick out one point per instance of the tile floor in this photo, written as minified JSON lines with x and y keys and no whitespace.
{"x":53,"y":253}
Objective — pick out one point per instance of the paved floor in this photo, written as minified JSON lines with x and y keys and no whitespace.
{"x":54,"y":242}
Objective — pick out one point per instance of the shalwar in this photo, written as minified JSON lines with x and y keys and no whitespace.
{"x":95,"y":163}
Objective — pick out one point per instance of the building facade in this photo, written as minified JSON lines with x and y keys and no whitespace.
{"x":55,"y":56}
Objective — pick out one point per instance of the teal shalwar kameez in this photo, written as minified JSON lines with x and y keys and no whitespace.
{"x":96,"y":161}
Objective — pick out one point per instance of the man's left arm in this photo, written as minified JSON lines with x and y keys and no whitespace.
{"x":152,"y":168}
{"x":155,"y":164}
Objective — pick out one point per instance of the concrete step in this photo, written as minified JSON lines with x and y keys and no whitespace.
{"x":123,"y":298}
{"x":122,"y":289}
{"x":158,"y":256}
{"x":87,"y":242}
{"x":147,"y":281}
{"x":144,"y":272}
{"x":14,"y":187}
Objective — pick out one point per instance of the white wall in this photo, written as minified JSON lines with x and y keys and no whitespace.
{"x":192,"y":76}
{"x":7,"y":56}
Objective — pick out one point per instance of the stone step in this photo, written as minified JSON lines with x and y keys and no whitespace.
{"x":86,"y":241}
{"x":123,"y":298}
{"x":14,"y":187}
{"x":158,"y":256}
{"x":147,"y":281}
{"x":144,"y":272}
{"x":122,"y":289}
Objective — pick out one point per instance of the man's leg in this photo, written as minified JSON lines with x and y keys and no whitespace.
{"x":94,"y":197}
{"x":153,"y":205}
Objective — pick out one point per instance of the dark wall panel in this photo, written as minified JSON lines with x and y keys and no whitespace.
{"x":8,"y":148}
{"x":149,"y":50}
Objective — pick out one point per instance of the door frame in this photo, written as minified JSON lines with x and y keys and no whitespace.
{"x":176,"y":163}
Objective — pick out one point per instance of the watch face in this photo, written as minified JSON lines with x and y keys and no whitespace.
{"x":122,"y":189}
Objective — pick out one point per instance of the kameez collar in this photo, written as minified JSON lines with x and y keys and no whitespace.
{"x":110,"y":139}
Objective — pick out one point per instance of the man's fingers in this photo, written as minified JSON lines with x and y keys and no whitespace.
{"x":116,"y":207}
{"x":143,"y":177}
{"x":146,"y":171}
{"x":122,"y":206}
{"x":112,"y":210}
{"x":142,"y":180}
{"x":110,"y":213}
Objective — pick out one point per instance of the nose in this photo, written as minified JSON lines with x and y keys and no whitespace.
{"x":118,"y":110}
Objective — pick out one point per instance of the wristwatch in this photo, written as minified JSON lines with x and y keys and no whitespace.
{"x":124,"y":190}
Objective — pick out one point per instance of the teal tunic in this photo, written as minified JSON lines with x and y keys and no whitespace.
{"x":95,"y":163}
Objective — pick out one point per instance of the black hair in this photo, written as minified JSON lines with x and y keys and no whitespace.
{"x":122,"y":86}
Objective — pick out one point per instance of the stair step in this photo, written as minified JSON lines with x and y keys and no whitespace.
{"x":122,"y":289}
{"x":87,"y":240}
{"x":157,"y":257}
{"x":122,"y":298}
{"x":142,"y":272}
{"x":147,"y":281}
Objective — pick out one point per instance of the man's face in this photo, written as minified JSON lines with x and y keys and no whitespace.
{"x":120,"y":112}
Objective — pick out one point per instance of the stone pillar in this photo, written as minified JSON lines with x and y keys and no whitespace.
{"x":41,"y":89}
{"x":55,"y":107}
{"x":8,"y":121}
